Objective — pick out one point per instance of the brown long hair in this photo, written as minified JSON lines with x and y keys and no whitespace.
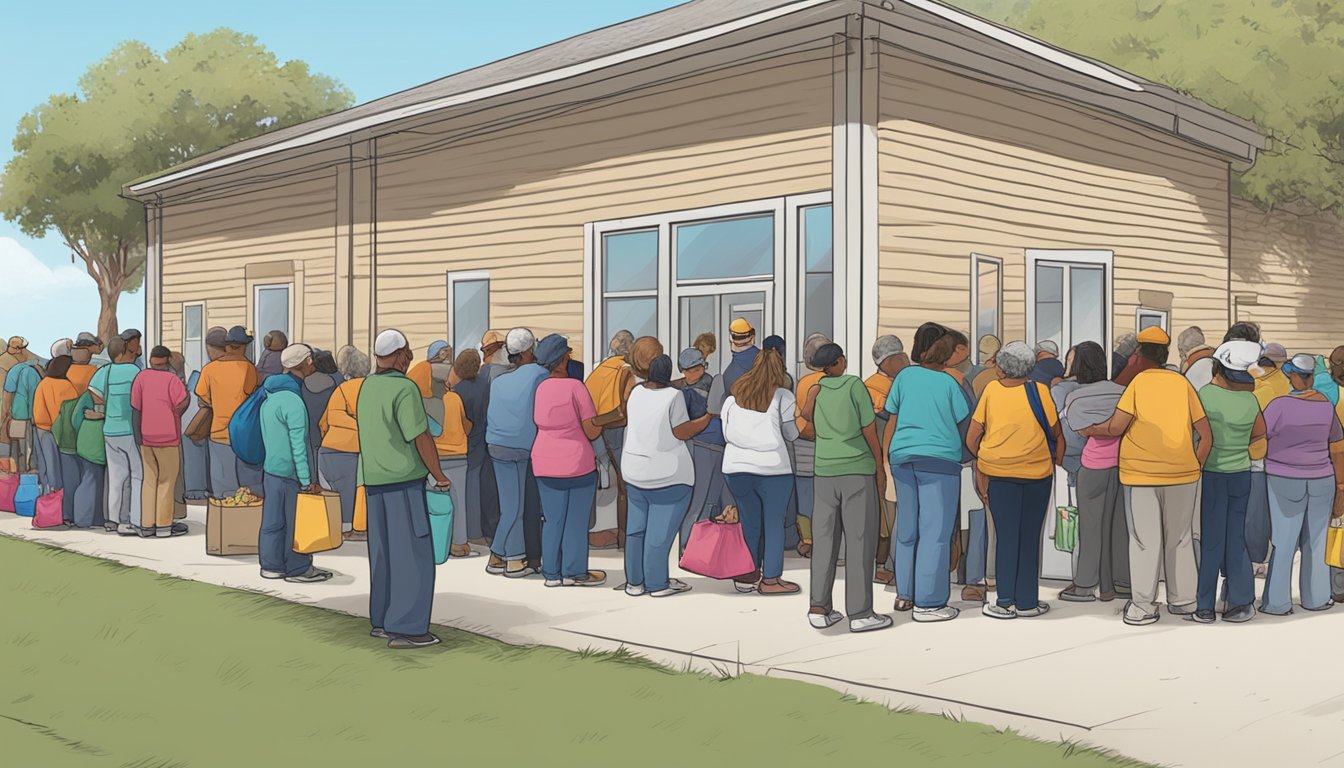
{"x":756,"y":388}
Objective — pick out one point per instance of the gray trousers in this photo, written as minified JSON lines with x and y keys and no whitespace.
{"x":228,"y":473}
{"x":339,"y":471}
{"x":844,"y":506}
{"x":1161,"y":536}
{"x":710,"y":493}
{"x":455,"y":468}
{"x":1257,"y":519}
{"x":195,"y":469}
{"x":21,"y":448}
{"x":48,"y":461}
{"x":1103,"y":534}
{"x":401,"y":558}
{"x":125,"y":475}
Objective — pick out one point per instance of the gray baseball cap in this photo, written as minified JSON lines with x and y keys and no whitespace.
{"x":689,"y":358}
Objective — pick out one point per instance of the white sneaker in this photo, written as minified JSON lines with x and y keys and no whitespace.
{"x":674,"y":587}
{"x":555,"y":582}
{"x":946,"y":613}
{"x":634,"y":590}
{"x":870,"y":623}
{"x":996,"y":611}
{"x":824,"y":620}
{"x":1040,"y":610}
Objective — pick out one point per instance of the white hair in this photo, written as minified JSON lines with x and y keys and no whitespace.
{"x":1016,"y":360}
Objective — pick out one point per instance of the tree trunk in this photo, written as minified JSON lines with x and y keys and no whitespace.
{"x":107,"y":310}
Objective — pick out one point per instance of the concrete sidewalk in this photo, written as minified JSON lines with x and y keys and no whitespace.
{"x":1175,"y":693}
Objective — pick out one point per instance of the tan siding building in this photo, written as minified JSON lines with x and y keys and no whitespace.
{"x":841,"y":166}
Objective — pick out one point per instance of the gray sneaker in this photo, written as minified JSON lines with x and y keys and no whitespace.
{"x":126,"y":529}
{"x":1135,"y":618}
{"x":407,"y":642}
{"x":931,"y":615}
{"x":1040,"y":610}
{"x":1240,"y":614}
{"x":1181,"y":610}
{"x":275,"y":575}
{"x":996,"y":611}
{"x":311,"y":576}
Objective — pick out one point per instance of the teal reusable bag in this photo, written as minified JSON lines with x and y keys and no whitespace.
{"x":440,"y":523}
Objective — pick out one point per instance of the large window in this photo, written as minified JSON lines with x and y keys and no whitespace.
{"x":986,"y":298}
{"x":727,"y":249}
{"x":193,"y":336}
{"x":630,"y":283}
{"x":469,"y":297}
{"x":817,"y":244}
{"x":1069,"y":297}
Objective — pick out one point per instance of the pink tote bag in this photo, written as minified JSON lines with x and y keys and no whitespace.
{"x":8,"y":485}
{"x":717,"y":550}
{"x":47,"y":512}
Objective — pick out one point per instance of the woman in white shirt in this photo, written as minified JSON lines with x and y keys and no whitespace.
{"x":758,"y":425}
{"x":658,"y":474}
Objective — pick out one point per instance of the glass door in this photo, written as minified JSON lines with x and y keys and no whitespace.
{"x":1070,"y":304}
{"x":712,"y":309}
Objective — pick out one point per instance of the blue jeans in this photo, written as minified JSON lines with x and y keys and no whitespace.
{"x":650,"y":528}
{"x":565,"y":504}
{"x":1018,"y":507}
{"x":762,"y":506}
{"x":1222,"y":540}
{"x":928,"y":512}
{"x":977,"y":547}
{"x":1299,"y":513}
{"x":401,"y":558}
{"x":275,"y":543}
{"x":518,"y":535}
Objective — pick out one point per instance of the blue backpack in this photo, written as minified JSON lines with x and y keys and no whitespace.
{"x":245,"y":429}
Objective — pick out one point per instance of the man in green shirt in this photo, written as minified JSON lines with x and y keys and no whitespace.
{"x":111,"y":388}
{"x":848,"y":483}
{"x":396,"y":452}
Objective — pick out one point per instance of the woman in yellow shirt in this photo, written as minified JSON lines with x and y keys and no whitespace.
{"x":54,"y":389}
{"x":1017,"y":440}
{"x":451,"y":443}
{"x":338,"y":456}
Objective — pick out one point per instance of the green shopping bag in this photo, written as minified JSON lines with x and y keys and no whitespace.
{"x":440,"y":523}
{"x":1066,"y":528}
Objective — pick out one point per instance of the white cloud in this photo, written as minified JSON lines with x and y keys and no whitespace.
{"x":43,"y":303}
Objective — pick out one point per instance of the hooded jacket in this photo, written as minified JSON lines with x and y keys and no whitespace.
{"x":284,"y":429}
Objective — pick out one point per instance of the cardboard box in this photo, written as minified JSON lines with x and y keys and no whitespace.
{"x":232,"y":530}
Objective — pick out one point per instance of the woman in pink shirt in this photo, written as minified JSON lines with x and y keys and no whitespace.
{"x":1103,"y":535}
{"x":563,"y":462}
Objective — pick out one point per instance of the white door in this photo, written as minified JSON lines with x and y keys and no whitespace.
{"x":712,"y":312}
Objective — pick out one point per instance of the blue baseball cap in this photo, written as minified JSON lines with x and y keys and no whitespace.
{"x":774,"y":342}
{"x":437,"y":347}
{"x":1302,"y":365}
{"x":551,"y":349}
{"x":690,"y":358}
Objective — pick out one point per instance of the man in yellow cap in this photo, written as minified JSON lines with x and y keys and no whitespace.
{"x":1160,"y":470}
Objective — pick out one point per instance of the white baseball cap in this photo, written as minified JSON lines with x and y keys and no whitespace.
{"x":389,"y":341}
{"x":61,"y":347}
{"x":519,"y":340}
{"x":294,"y":355}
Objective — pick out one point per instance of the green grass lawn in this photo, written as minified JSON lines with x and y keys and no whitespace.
{"x":102,"y":664}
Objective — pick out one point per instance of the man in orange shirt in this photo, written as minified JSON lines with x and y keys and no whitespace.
{"x":890,"y":358}
{"x":225,"y":383}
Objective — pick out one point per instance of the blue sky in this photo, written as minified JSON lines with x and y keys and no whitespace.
{"x":374,"y":48}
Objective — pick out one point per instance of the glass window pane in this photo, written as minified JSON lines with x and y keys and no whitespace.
{"x":1049,"y":303}
{"x":192,"y":342}
{"x":989,"y":296}
{"x":192,"y":329}
{"x":726,"y":249}
{"x":1087,"y":305}
{"x":698,"y":314}
{"x":817,"y":240}
{"x":819,"y":305}
{"x":471,"y":312}
{"x":630,"y":261}
{"x":272,"y":313}
{"x":638,"y":316}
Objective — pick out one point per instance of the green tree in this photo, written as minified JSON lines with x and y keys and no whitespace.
{"x":137,"y":112}
{"x":1279,"y":63}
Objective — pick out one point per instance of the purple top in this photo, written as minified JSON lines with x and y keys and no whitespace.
{"x":1299,"y":433}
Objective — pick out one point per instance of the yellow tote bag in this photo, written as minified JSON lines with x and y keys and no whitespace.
{"x":361,"y":522}
{"x":1334,"y":544}
{"x":317,"y":522}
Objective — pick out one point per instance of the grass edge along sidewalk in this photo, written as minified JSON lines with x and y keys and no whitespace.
{"x":105,"y":664}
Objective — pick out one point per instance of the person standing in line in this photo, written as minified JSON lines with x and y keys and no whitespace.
{"x":134,"y":339}
{"x":1047,"y":367}
{"x":158,"y":399}
{"x":452,"y":445}
{"x":1257,"y":510}
{"x":338,"y":456}
{"x":758,"y":424}
{"x":51,"y":393}
{"x":509,"y":437}
{"x":1335,"y":369}
{"x":111,"y":388}
{"x":565,"y":467}
{"x":1238,"y":429}
{"x":805,"y":444}
{"x":1304,"y":464}
{"x":1125,"y":346}
{"x":422,"y":373}
{"x":988,"y":370}
{"x":847,"y":485}
{"x":607,"y":386}
{"x":268,"y":364}
{"x":1017,"y":440}
{"x":225,"y":382}
{"x":284,"y":432}
{"x":1196,"y":357}
{"x":890,"y":358}
{"x":494,"y":361}
{"x":927,"y":409}
{"x":1160,"y":468}
{"x":82,"y":369}
{"x":1102,"y":569}
{"x":709,"y":493}
{"x":196,"y":452}
{"x":22,"y":374}
{"x":396,"y":454}
{"x":470,"y":385}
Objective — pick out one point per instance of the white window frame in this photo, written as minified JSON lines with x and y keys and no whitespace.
{"x":976,"y":331}
{"x":466,"y":277}
{"x":205,"y":357}
{"x":795,"y":275}
{"x":1105,"y":259}
{"x":1162,"y":314}
{"x":785,"y":282}
{"x":259,"y":334}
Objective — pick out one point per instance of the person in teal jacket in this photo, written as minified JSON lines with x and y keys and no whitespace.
{"x":286,"y":471}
